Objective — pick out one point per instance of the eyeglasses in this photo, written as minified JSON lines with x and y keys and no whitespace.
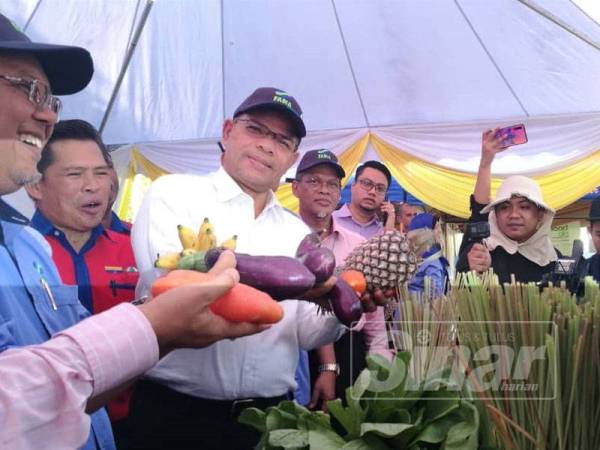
{"x":315,"y":183}
{"x":38,"y":93}
{"x":367,"y":185}
{"x":255,"y":129}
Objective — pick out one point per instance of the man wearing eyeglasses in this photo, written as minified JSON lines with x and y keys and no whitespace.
{"x":34,"y":304}
{"x":192,"y":398}
{"x":317,"y":185}
{"x":371,"y":182}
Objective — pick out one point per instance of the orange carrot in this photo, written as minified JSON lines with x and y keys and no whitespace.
{"x":176,"y":278}
{"x":241,"y":303}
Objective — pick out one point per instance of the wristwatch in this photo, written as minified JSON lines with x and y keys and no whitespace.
{"x":331,"y":367}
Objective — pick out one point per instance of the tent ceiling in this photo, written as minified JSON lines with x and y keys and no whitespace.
{"x":351,"y":63}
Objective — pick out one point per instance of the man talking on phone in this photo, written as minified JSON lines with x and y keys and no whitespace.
{"x":371,"y":183}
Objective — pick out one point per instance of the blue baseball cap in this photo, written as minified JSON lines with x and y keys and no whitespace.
{"x":423,"y":220}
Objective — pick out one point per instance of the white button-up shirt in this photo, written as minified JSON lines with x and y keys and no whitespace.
{"x":261,"y":365}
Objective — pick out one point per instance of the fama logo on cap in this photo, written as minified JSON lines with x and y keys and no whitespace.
{"x":279,"y":98}
{"x":323,"y":154}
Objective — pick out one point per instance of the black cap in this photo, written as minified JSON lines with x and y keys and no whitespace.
{"x":270,"y":98}
{"x":314,"y":158}
{"x":595,"y":210}
{"x":69,"y":69}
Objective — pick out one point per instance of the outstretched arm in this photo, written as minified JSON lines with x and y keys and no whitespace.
{"x":490,"y":146}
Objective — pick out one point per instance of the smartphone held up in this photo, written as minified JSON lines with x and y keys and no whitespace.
{"x":513,"y":135}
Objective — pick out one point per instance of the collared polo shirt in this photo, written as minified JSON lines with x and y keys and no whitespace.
{"x":104,"y":269}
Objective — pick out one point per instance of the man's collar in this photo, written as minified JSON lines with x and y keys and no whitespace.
{"x":41,"y":223}
{"x":344,"y":211}
{"x":227,"y":188}
{"x":117,"y":225}
{"x":45,"y":227}
{"x":10,"y":214}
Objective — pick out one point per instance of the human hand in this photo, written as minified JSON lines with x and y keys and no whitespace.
{"x":181,"y":317}
{"x":323,"y":390}
{"x":479,"y":258}
{"x":390,"y":215}
{"x":320,"y":290}
{"x":490,"y":146}
{"x":370,"y":300}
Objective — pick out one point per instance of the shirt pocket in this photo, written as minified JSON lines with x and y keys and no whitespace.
{"x":122,"y":285}
{"x":58,"y":307}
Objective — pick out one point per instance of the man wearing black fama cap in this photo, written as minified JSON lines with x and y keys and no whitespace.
{"x":317,"y":185}
{"x":192,"y":398}
{"x":30,"y":74}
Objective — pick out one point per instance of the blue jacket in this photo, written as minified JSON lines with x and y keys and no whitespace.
{"x":34,"y":304}
{"x":434,"y":266}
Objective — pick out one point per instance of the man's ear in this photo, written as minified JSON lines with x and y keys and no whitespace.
{"x":34,"y":191}
{"x":227,"y":126}
{"x":295,"y":188}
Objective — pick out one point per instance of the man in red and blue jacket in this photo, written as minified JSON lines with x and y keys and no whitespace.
{"x":71,"y":199}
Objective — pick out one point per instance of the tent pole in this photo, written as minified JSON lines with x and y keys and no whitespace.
{"x":561,"y":23}
{"x":126,"y":61}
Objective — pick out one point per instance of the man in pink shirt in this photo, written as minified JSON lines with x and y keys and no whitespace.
{"x":47,"y":389}
{"x":317,"y":185}
{"x":369,"y":190}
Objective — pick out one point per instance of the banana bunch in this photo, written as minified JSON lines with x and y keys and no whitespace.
{"x":194,"y":246}
{"x":206,"y":238}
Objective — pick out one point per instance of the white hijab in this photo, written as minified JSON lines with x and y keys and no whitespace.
{"x":538,"y":248}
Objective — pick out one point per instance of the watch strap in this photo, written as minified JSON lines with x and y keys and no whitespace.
{"x":330,"y":367}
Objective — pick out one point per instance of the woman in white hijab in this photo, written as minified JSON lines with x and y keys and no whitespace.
{"x":520,"y":220}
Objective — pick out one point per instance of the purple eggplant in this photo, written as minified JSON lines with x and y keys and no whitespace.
{"x":310,"y":242}
{"x":281,"y":277}
{"x":320,"y":261}
{"x":345,"y":303}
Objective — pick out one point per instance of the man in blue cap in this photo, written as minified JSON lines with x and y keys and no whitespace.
{"x":34,"y":304}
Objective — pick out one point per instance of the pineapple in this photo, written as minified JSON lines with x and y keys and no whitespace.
{"x":389,"y":259}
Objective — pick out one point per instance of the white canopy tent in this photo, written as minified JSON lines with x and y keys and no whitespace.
{"x":416,"y":80}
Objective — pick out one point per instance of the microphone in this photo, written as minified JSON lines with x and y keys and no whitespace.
{"x":221,"y":146}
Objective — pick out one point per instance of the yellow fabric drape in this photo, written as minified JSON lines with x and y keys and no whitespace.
{"x":138,"y":166}
{"x":449,"y":190}
{"x":349,"y":159}
{"x":443,"y":189}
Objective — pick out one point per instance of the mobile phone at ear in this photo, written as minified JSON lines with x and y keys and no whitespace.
{"x":513,"y":135}
{"x":384,"y":215}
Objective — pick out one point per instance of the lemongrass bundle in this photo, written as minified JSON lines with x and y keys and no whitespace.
{"x":533,"y":358}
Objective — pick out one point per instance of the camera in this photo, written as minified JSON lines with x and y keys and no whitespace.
{"x":477,"y":231}
{"x":571,"y":271}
